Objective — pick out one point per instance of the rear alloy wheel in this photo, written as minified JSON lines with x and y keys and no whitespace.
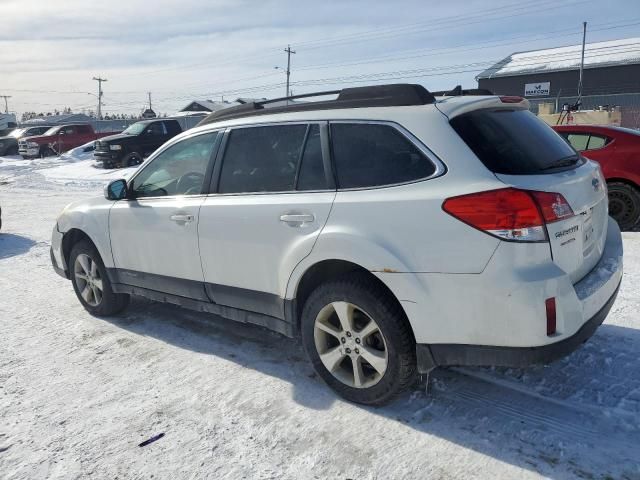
{"x":624,"y":205}
{"x":359,"y":340}
{"x":350,"y":345}
{"x":91,"y":283}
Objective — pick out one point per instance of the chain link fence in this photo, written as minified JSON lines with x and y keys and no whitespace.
{"x":622,"y":110}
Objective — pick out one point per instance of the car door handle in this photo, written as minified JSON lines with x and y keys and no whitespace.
{"x":182,"y":218}
{"x":297,"y":218}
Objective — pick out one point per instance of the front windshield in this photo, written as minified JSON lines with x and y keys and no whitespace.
{"x":52,"y":131}
{"x":135,"y":129}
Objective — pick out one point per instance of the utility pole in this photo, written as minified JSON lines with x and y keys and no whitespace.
{"x":289,"y":52}
{"x":6,"y":105}
{"x":584,"y":37}
{"x":99,"y":80}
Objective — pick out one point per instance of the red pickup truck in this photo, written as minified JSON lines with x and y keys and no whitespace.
{"x":58,"y":139}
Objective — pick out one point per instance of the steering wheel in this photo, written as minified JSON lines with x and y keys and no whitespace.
{"x":190,"y":183}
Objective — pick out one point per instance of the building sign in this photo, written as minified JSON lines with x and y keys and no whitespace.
{"x":540,"y":89}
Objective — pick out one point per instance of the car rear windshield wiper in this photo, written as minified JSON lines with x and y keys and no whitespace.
{"x":563,"y":162}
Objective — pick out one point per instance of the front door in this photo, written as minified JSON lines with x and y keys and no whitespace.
{"x":154,"y":235}
{"x":273,"y":199}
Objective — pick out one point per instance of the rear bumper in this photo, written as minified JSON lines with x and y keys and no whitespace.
{"x":431,"y":356}
{"x":498,"y":317}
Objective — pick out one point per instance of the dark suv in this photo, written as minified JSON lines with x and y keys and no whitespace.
{"x":136,"y":143}
{"x":9,"y":143}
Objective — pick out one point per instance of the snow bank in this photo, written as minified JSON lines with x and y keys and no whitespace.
{"x":83,"y":152}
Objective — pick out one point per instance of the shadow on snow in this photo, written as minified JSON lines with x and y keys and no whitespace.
{"x":548,"y":419}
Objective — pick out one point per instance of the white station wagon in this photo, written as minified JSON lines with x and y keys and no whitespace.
{"x":390,"y":229}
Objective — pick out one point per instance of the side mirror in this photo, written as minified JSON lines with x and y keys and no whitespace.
{"x":116,"y":190}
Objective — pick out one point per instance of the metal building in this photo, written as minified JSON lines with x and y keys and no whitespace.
{"x":611,"y":78}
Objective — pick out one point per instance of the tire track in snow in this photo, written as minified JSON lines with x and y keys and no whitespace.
{"x":569,"y":422}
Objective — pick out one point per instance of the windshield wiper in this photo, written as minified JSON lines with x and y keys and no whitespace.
{"x":563,"y":162}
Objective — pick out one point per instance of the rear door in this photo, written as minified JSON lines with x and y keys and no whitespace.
{"x":272,"y":199}
{"x":524,"y":152}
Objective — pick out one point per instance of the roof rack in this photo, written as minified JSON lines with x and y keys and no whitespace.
{"x":459,"y":92}
{"x":393,"y":95}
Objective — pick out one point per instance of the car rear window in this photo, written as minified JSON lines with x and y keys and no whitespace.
{"x":514,"y":142}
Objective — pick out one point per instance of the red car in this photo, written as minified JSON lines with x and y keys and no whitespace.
{"x":617,"y":150}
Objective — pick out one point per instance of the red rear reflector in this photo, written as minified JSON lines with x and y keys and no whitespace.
{"x":511,"y":99}
{"x":550,"y":306}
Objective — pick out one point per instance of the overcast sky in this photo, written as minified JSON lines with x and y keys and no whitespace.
{"x":203,"y":49}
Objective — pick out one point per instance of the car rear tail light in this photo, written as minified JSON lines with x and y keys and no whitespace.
{"x":554,"y":207}
{"x":510,"y":213}
{"x":511,"y":99}
{"x":550,"y":307}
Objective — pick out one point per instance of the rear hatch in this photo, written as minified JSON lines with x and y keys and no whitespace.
{"x":525,"y":153}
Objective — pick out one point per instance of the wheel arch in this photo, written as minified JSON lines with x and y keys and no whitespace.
{"x":330,"y":269}
{"x":70,"y":238}
{"x":626,"y":181}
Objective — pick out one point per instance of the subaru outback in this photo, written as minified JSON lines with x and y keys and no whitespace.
{"x":391,"y":230}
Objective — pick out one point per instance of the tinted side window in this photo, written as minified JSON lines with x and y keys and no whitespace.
{"x":311,"y":174}
{"x":369,"y":155}
{"x":262,"y":159}
{"x":578,"y":141}
{"x":173,"y":127}
{"x":84,"y":129}
{"x":596,"y":141}
{"x":179,"y":170}
{"x":156,"y":128}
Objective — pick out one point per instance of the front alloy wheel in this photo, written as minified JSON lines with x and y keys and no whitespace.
{"x":91,"y":283}
{"x":350,"y":345}
{"x":88,"y":279}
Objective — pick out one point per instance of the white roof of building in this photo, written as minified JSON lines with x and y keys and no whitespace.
{"x":598,"y":54}
{"x":209,"y":105}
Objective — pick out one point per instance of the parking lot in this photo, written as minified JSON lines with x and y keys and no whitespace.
{"x":78,"y":394}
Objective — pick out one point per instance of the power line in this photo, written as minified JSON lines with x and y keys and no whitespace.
{"x":481,"y":15}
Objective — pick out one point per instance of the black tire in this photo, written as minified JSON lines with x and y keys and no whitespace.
{"x":132,"y":159}
{"x":110,"y":303}
{"x":368,"y":296}
{"x":46,"y":152}
{"x":624,"y":205}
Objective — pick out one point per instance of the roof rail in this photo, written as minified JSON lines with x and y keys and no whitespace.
{"x":458,"y":92}
{"x":392,"y":95}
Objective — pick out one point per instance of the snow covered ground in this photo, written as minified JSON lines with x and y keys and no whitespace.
{"x":78,"y":393}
